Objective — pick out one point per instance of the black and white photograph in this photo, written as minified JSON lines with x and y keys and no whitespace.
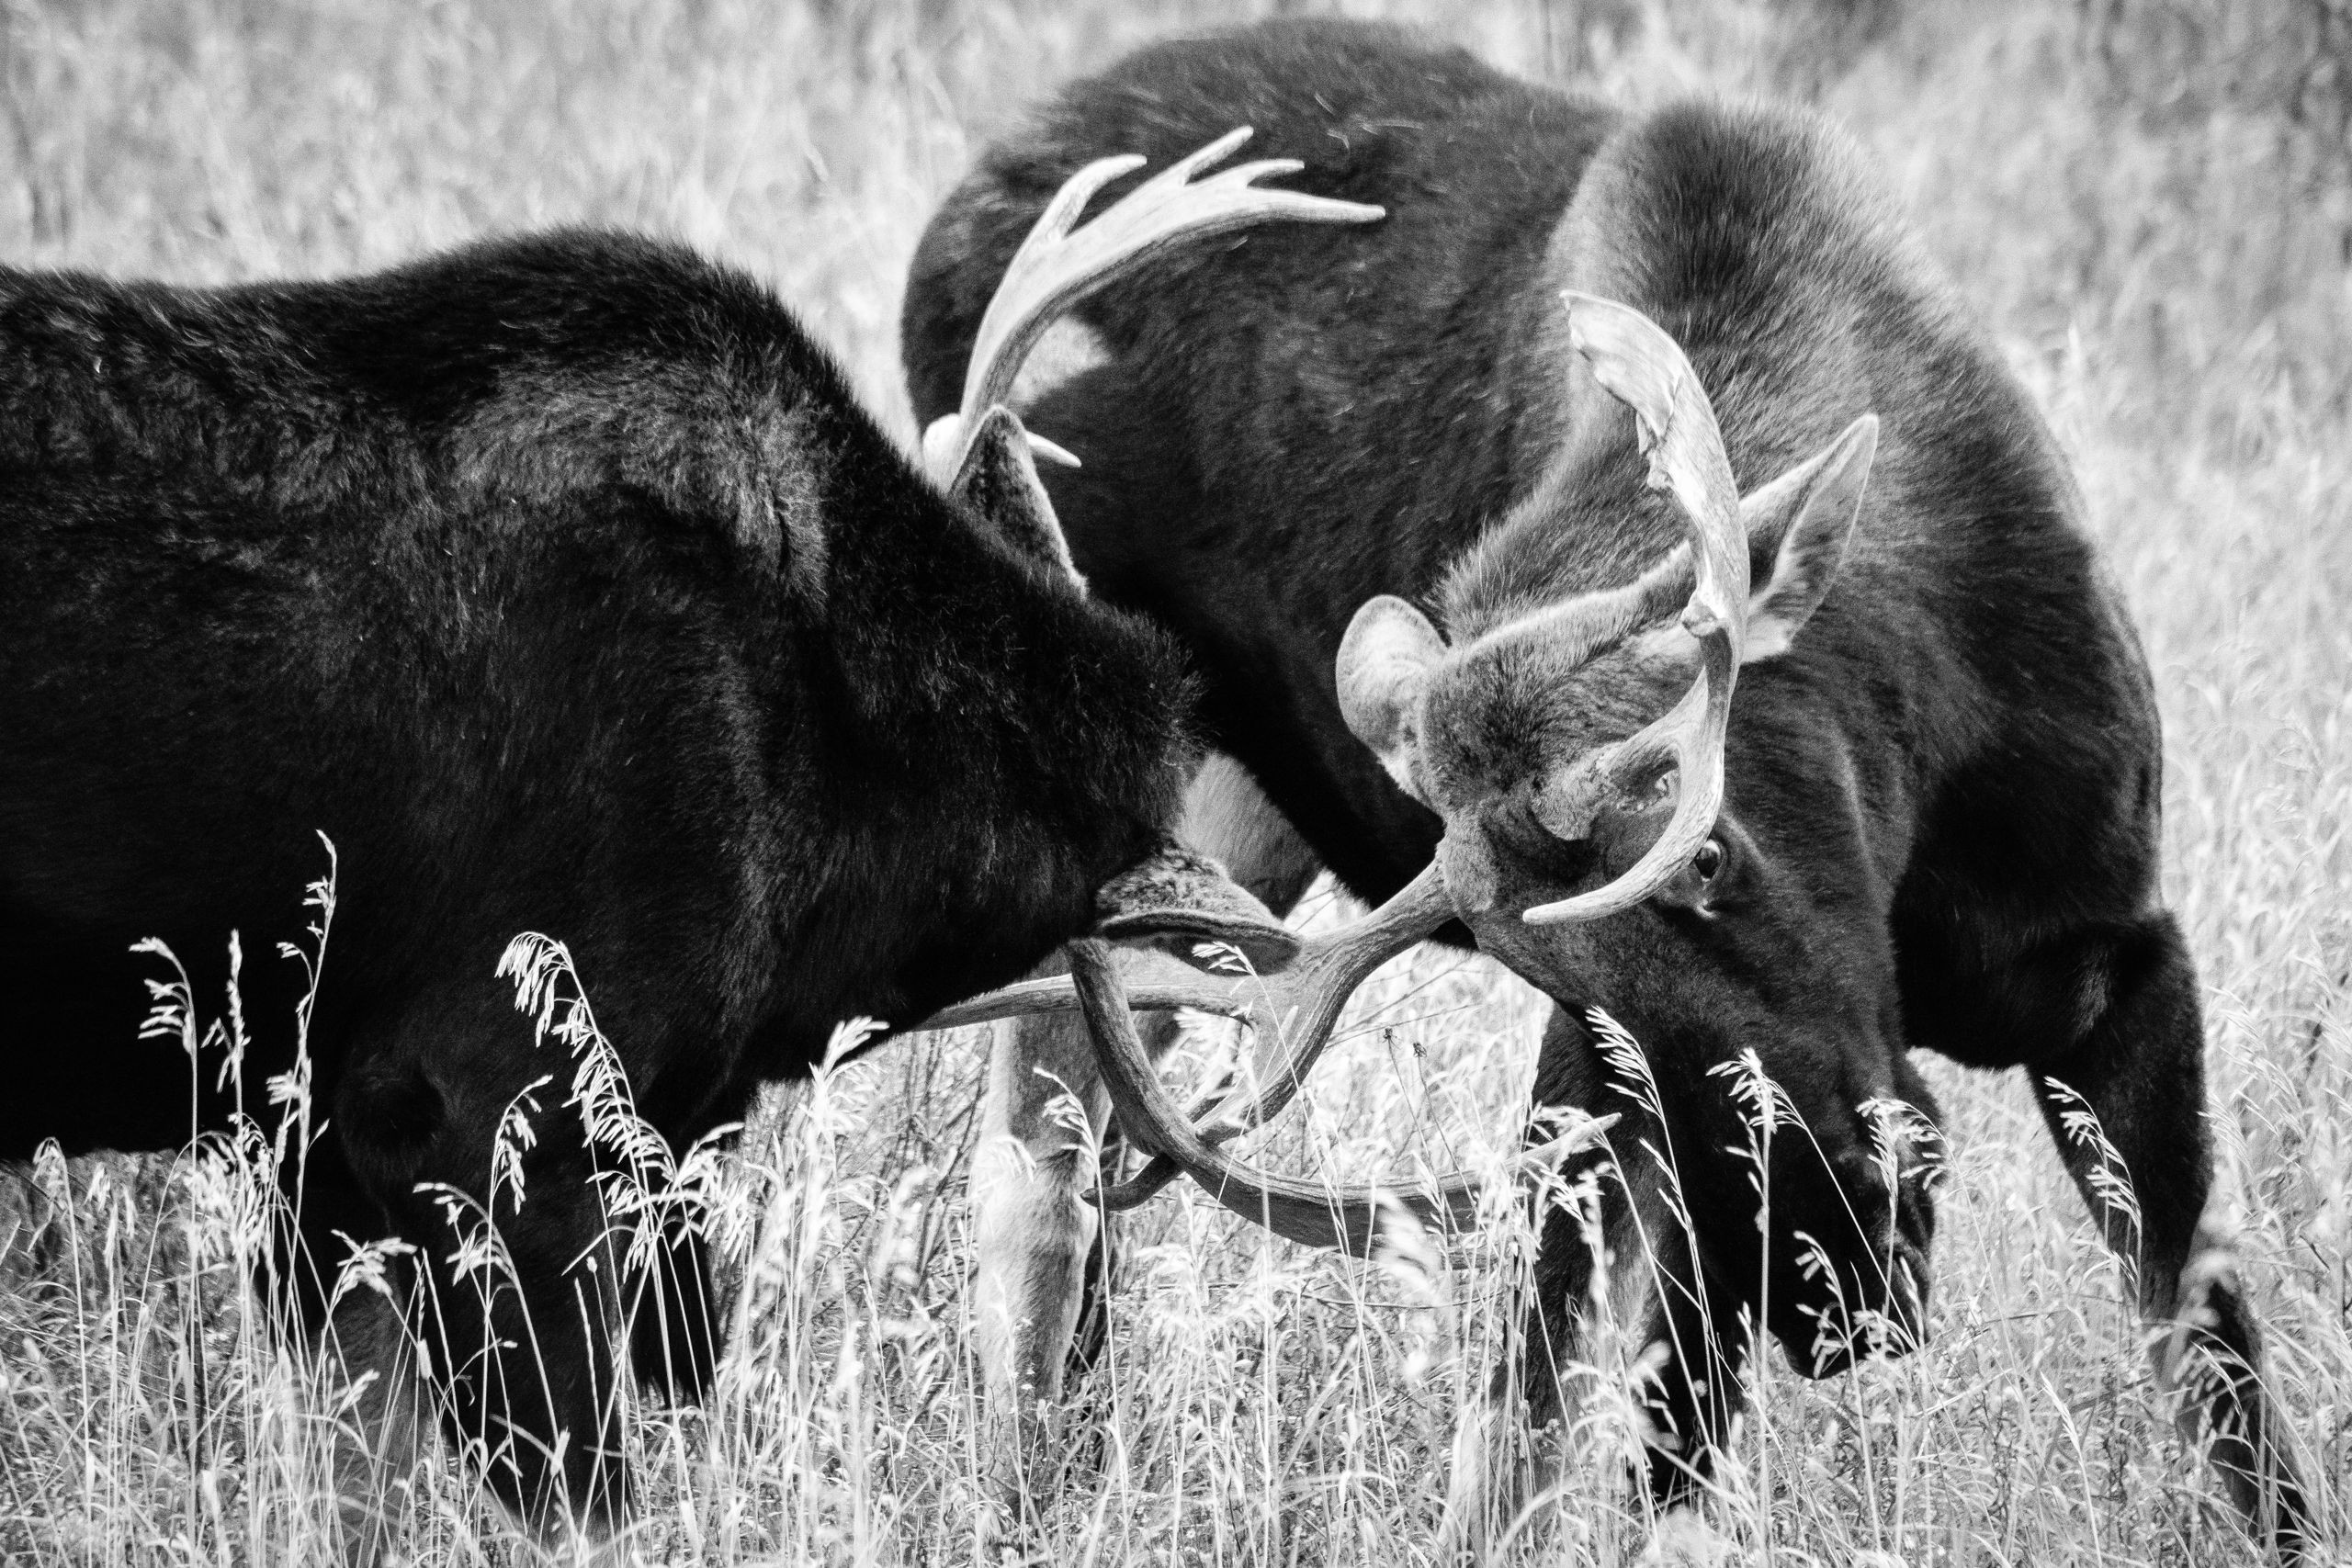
{"x":1263,"y":782}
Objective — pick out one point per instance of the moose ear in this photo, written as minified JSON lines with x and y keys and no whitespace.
{"x":998,"y":479}
{"x":1385,"y":660}
{"x":1805,"y":518}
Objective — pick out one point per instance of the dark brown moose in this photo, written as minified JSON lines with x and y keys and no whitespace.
{"x":564,"y":585}
{"x":1410,"y":495}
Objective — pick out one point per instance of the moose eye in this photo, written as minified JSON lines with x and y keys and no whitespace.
{"x":1709,"y":860}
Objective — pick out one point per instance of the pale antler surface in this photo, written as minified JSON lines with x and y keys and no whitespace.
{"x":1056,"y":266}
{"x":1296,"y":1008}
{"x":1291,"y":1012}
{"x":1289,"y":1004}
{"x":1313,"y":1213}
{"x":1636,"y":362}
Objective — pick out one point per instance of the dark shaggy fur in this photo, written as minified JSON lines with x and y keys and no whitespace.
{"x":1941,"y":824}
{"x":563,"y":584}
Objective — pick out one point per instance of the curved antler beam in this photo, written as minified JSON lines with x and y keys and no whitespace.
{"x":1291,"y":1012}
{"x":1290,"y":1006}
{"x":1350,"y":1218}
{"x":1166,"y":983}
{"x":1636,"y":362}
{"x":1299,"y":1005}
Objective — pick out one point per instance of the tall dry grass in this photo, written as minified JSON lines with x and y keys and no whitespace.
{"x":2142,"y":198}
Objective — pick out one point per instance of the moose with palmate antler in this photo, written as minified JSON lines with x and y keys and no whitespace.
{"x":1629,"y":554}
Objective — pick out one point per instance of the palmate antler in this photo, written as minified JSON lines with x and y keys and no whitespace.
{"x":1293,"y":1005}
{"x":1057,"y":266}
{"x":1636,"y":362}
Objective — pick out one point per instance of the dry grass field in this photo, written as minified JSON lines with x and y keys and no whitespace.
{"x":2150,"y":201}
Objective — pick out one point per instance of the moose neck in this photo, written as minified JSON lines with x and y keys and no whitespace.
{"x":999,"y":746}
{"x":1767,"y":299}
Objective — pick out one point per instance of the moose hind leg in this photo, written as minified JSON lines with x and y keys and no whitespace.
{"x":2138,"y":1067}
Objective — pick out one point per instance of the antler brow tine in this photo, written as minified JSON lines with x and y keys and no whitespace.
{"x":1057,"y":265}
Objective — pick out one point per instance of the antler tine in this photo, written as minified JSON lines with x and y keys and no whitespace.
{"x":1637,"y":363}
{"x":1290,"y":1008}
{"x":1167,"y":983}
{"x":1292,"y":1017}
{"x":1056,"y":266}
{"x":1349,"y":1218}
{"x":1200,"y":158}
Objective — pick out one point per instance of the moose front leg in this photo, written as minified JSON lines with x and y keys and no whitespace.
{"x":673,"y":1315}
{"x":520,"y":1287}
{"x":1616,"y":1294}
{"x":1042,"y":1254}
{"x":1043,"y":1121}
{"x":356,"y":1326}
{"x":2139,"y":1068}
{"x":524,"y":1334}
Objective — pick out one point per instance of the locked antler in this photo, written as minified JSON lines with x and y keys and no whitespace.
{"x":1313,"y":1213}
{"x":1295,"y":1006}
{"x":1291,"y":1008}
{"x":1290,"y":1001}
{"x":1057,"y":266}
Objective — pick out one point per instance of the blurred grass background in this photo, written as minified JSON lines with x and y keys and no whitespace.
{"x":2151,"y":203}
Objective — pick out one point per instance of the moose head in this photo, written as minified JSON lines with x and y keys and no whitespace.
{"x":1597,"y":842}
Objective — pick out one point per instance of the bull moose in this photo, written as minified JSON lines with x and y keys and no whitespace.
{"x":561,"y":582}
{"x":1414,"y":518}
